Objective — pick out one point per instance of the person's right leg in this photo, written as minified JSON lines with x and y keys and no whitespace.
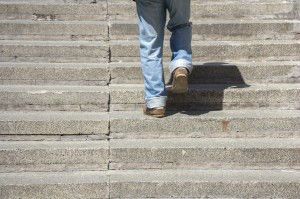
{"x":152,"y":19}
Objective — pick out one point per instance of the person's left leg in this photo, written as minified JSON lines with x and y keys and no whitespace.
{"x":180,"y":41}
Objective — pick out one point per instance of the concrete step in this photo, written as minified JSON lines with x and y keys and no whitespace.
{"x":101,"y":74}
{"x":54,"y":123}
{"x":211,"y":153}
{"x":24,"y":156}
{"x":53,"y":51}
{"x":80,"y":184}
{"x":26,"y":73}
{"x":45,"y":11}
{"x":127,"y":97}
{"x":205,"y":183}
{"x":225,"y":123}
{"x":57,"y":98}
{"x":153,"y":184}
{"x":124,"y":50}
{"x":221,"y":29}
{"x":231,"y":72}
{"x":123,"y":10}
{"x":53,"y":30}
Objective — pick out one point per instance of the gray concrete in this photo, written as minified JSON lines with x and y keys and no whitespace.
{"x":47,"y":97}
{"x":205,"y":183}
{"x":219,"y":50}
{"x":230,"y":72}
{"x":121,"y":10}
{"x":53,"y":123}
{"x":213,"y":96}
{"x":53,"y":30}
{"x":53,"y":51}
{"x":55,"y":73}
{"x":53,"y":155}
{"x":220,"y":29}
{"x":205,"y":153}
{"x":81,"y":184}
{"x":226,"y":123}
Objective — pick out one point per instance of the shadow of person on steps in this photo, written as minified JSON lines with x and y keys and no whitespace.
{"x":207,"y":84}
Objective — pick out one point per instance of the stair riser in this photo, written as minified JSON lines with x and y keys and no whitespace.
{"x":222,"y":11}
{"x":234,"y":31}
{"x":228,"y":31}
{"x":54,"y":127}
{"x":51,"y":74}
{"x":276,"y":51}
{"x":57,"y":160}
{"x":84,"y":12}
{"x":192,"y":127}
{"x":174,"y":158}
{"x":40,"y":31}
{"x":204,"y":189}
{"x":43,"y":74}
{"x":45,"y":100}
{"x":67,"y":190}
{"x":60,"y":53}
{"x":211,"y":99}
{"x":95,"y":12}
{"x":211,"y":73}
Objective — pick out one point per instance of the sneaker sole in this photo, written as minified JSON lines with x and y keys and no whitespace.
{"x":180,"y":84}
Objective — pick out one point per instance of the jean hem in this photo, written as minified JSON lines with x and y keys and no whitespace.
{"x":181,"y":63}
{"x":156,"y":101}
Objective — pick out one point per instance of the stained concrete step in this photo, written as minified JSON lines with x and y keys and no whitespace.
{"x":80,"y":184}
{"x":93,"y":74}
{"x":123,"y":10}
{"x":53,"y":51}
{"x":124,"y":50}
{"x":212,"y":97}
{"x":45,"y":11}
{"x":27,"y":156}
{"x":241,"y":29}
{"x":154,"y":184}
{"x":53,"y":30}
{"x":54,"y":123}
{"x":225,"y":123}
{"x":231,"y":72}
{"x":225,"y":153}
{"x":59,"y":98}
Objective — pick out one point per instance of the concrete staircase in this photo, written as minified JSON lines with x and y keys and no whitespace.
{"x":71,"y":93}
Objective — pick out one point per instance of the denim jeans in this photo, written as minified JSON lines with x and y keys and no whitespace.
{"x":152,"y":21}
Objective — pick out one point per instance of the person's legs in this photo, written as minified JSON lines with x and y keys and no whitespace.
{"x":181,"y":37}
{"x":152,"y":19}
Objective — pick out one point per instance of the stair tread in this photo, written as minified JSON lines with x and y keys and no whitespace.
{"x":78,"y":177}
{"x":212,"y":143}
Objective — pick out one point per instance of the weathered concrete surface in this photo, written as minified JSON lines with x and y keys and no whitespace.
{"x":67,"y":98}
{"x":219,"y":30}
{"x":208,"y":153}
{"x":53,"y":155}
{"x":226,"y":123}
{"x":205,"y":183}
{"x":53,"y":30}
{"x":212,"y":97}
{"x":81,"y":184}
{"x":94,"y":74}
{"x":219,"y":50}
{"x":120,"y":10}
{"x":230,"y":72}
{"x":53,"y":123}
{"x":53,"y":51}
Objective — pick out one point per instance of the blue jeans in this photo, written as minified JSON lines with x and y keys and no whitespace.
{"x":152,"y":21}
